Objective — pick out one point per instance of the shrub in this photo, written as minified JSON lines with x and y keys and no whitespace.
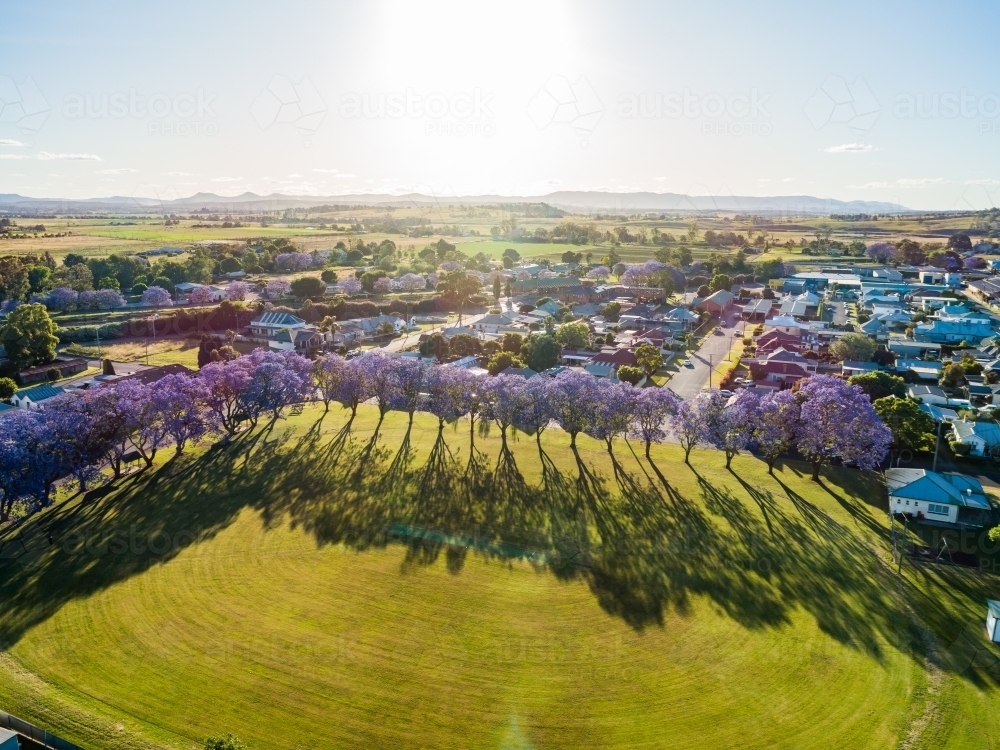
{"x":53,"y":374}
{"x":7,"y":388}
{"x":959,"y":449}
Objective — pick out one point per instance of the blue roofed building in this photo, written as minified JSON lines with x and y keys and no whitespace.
{"x":32,"y":398}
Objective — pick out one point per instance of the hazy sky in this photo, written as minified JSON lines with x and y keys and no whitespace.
{"x":853,"y":100}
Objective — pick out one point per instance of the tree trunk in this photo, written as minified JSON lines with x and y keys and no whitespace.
{"x":687,"y":453}
{"x":770,"y":466}
{"x":729,"y":459}
{"x":816,"y":465}
{"x":648,"y":444}
{"x":572,"y":440}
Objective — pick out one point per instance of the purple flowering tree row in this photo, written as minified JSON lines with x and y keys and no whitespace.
{"x":826,"y":419}
{"x":79,"y":433}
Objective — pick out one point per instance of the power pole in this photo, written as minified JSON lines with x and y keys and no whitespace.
{"x":937,"y":443}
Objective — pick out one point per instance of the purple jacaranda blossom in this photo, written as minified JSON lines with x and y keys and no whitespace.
{"x":62,"y":298}
{"x":407,"y":384}
{"x":777,"y":419}
{"x":226,"y":381}
{"x":378,"y":368}
{"x":694,"y":418}
{"x":156,"y":296}
{"x":201,"y":295}
{"x":277,"y":288}
{"x":445,"y":387}
{"x":614,"y":413}
{"x":237,"y":291}
{"x":277,"y":380}
{"x":412,"y":282}
{"x":504,"y":399}
{"x":653,"y":409}
{"x":882,"y":252}
{"x":599,"y":272}
{"x":537,"y":412}
{"x":733,"y":426}
{"x":837,"y":421}
{"x":293,"y":261}
{"x":349,"y":286}
{"x":575,"y":397}
{"x":178,"y":405}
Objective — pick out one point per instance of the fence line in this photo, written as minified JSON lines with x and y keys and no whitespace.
{"x":38,"y":737}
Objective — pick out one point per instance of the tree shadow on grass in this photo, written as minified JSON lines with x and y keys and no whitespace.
{"x":642,"y":547}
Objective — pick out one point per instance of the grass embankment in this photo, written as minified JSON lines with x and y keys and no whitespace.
{"x":302,"y":589}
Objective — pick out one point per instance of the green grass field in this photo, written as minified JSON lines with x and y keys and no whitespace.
{"x":303,"y":589}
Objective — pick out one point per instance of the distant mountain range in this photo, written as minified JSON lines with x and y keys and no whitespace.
{"x":576,"y":201}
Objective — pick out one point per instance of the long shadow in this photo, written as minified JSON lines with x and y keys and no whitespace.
{"x":640,"y":545}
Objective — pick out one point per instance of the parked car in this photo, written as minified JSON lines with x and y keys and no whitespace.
{"x":727,"y":393}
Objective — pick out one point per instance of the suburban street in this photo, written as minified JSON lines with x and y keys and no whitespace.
{"x":689,"y":381}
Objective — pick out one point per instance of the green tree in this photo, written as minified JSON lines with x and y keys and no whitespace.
{"x":719,"y":281}
{"x":78,"y":277}
{"x":7,"y":388}
{"x":512,"y":343}
{"x":573,"y":335}
{"x":109,"y":282}
{"x":912,"y":428}
{"x":329,"y":276}
{"x":953,"y":375}
{"x":703,"y":291}
{"x":630,"y":374}
{"x":463,"y":345}
{"x":501,"y":361}
{"x":648,"y":357}
{"x":435,"y":346}
{"x":541,"y":351}
{"x":38,"y":278}
{"x":307,"y":287}
{"x":879,"y":385}
{"x":14,"y":282}
{"x":229,"y":742}
{"x":611,"y":311}
{"x":496,"y":289}
{"x":28,"y":335}
{"x":853,"y":347}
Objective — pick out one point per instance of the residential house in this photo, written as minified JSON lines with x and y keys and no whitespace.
{"x":778,"y":339}
{"x":983,"y":438}
{"x":781,"y":366}
{"x":939,"y":413}
{"x":953,"y":331}
{"x":31,"y":399}
{"x":606,"y":364}
{"x":850,"y":368}
{"x":920,"y":368}
{"x":716,"y":304}
{"x":576,"y":356}
{"x":904,"y":347}
{"x":300,"y":340}
{"x":804,"y":306}
{"x":525,"y":372}
{"x":985,"y":290}
{"x":265,"y":325}
{"x":928,"y":394}
{"x":681,"y":319}
{"x":938,"y":497}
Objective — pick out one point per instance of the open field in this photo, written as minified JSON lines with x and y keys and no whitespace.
{"x":304,"y":587}
{"x":161,"y":352}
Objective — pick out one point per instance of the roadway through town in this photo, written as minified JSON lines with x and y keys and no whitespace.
{"x":693,"y":377}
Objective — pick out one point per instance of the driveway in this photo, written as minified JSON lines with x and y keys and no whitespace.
{"x":689,"y":381}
